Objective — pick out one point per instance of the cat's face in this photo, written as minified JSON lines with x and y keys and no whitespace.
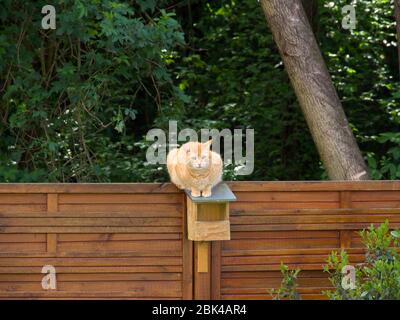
{"x":198,"y":156}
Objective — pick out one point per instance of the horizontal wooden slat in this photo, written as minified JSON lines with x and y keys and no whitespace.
{"x":312,"y":211}
{"x":281,"y":259}
{"x":8,"y":208}
{"x":118,"y":237}
{"x":311,"y":226}
{"x":280,"y":244}
{"x":258,"y":206}
{"x":132,"y":270}
{"x":81,"y":294}
{"x":88,"y":229}
{"x":120,"y":198}
{"x":266,"y":290}
{"x":172,"y":247}
{"x":283,"y":235}
{"x":10,"y":237}
{"x":286,"y":251}
{"x":337,"y":185}
{"x":376,"y":204}
{"x":89,"y":222}
{"x":22,"y":198}
{"x":95,"y":277}
{"x":271,"y":219}
{"x":270,"y":283}
{"x":268,"y":297}
{"x":90,"y":261}
{"x":270,"y":267}
{"x":289,"y":196}
{"x":113,"y":213}
{"x":375,"y":195}
{"x":23,"y":247}
{"x":88,"y":188}
{"x":141,"y":288}
{"x":76,"y":254}
{"x":119,"y":208}
{"x":271,"y":274}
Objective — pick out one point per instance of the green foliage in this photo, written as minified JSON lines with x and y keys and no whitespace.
{"x":378,"y":278}
{"x":288,"y":289}
{"x":337,"y":262}
{"x":364,"y":67}
{"x":388,"y":166}
{"x":77,"y":100}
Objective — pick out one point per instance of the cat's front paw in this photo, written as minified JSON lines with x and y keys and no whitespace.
{"x":195,"y":193}
{"x":206,"y":193}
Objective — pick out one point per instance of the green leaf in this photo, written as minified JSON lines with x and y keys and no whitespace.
{"x":120,"y":126}
{"x":371,"y":162}
{"x":395,"y":233}
{"x":52,"y":146}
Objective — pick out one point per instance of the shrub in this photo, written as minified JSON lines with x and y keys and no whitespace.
{"x":377,"y":278}
{"x":76,"y":101}
{"x":288,"y":289}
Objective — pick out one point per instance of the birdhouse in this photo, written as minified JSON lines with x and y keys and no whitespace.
{"x":208,"y":220}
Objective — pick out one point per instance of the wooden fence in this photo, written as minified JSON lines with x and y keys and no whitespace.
{"x":129,"y":240}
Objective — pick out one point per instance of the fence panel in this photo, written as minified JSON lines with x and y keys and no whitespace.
{"x":128,"y":241}
{"x":299,"y":224}
{"x":119,"y":241}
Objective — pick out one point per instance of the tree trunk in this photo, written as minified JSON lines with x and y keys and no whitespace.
{"x":313,"y":86}
{"x":397,"y":15}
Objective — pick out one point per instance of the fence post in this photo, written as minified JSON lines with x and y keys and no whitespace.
{"x":345,"y":235}
{"x":207,"y":222}
{"x":52,"y":208}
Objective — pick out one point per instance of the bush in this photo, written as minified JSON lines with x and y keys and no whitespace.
{"x":76,"y":101}
{"x":288,"y":289}
{"x":378,"y":278}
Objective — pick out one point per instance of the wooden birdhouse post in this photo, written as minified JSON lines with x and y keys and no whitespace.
{"x":208,"y":220}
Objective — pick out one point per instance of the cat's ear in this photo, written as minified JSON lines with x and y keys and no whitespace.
{"x":207,"y":145}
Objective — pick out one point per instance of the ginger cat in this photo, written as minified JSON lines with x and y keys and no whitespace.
{"x":195,"y":167}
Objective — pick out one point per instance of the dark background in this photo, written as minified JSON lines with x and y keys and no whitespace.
{"x":76,"y":102}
